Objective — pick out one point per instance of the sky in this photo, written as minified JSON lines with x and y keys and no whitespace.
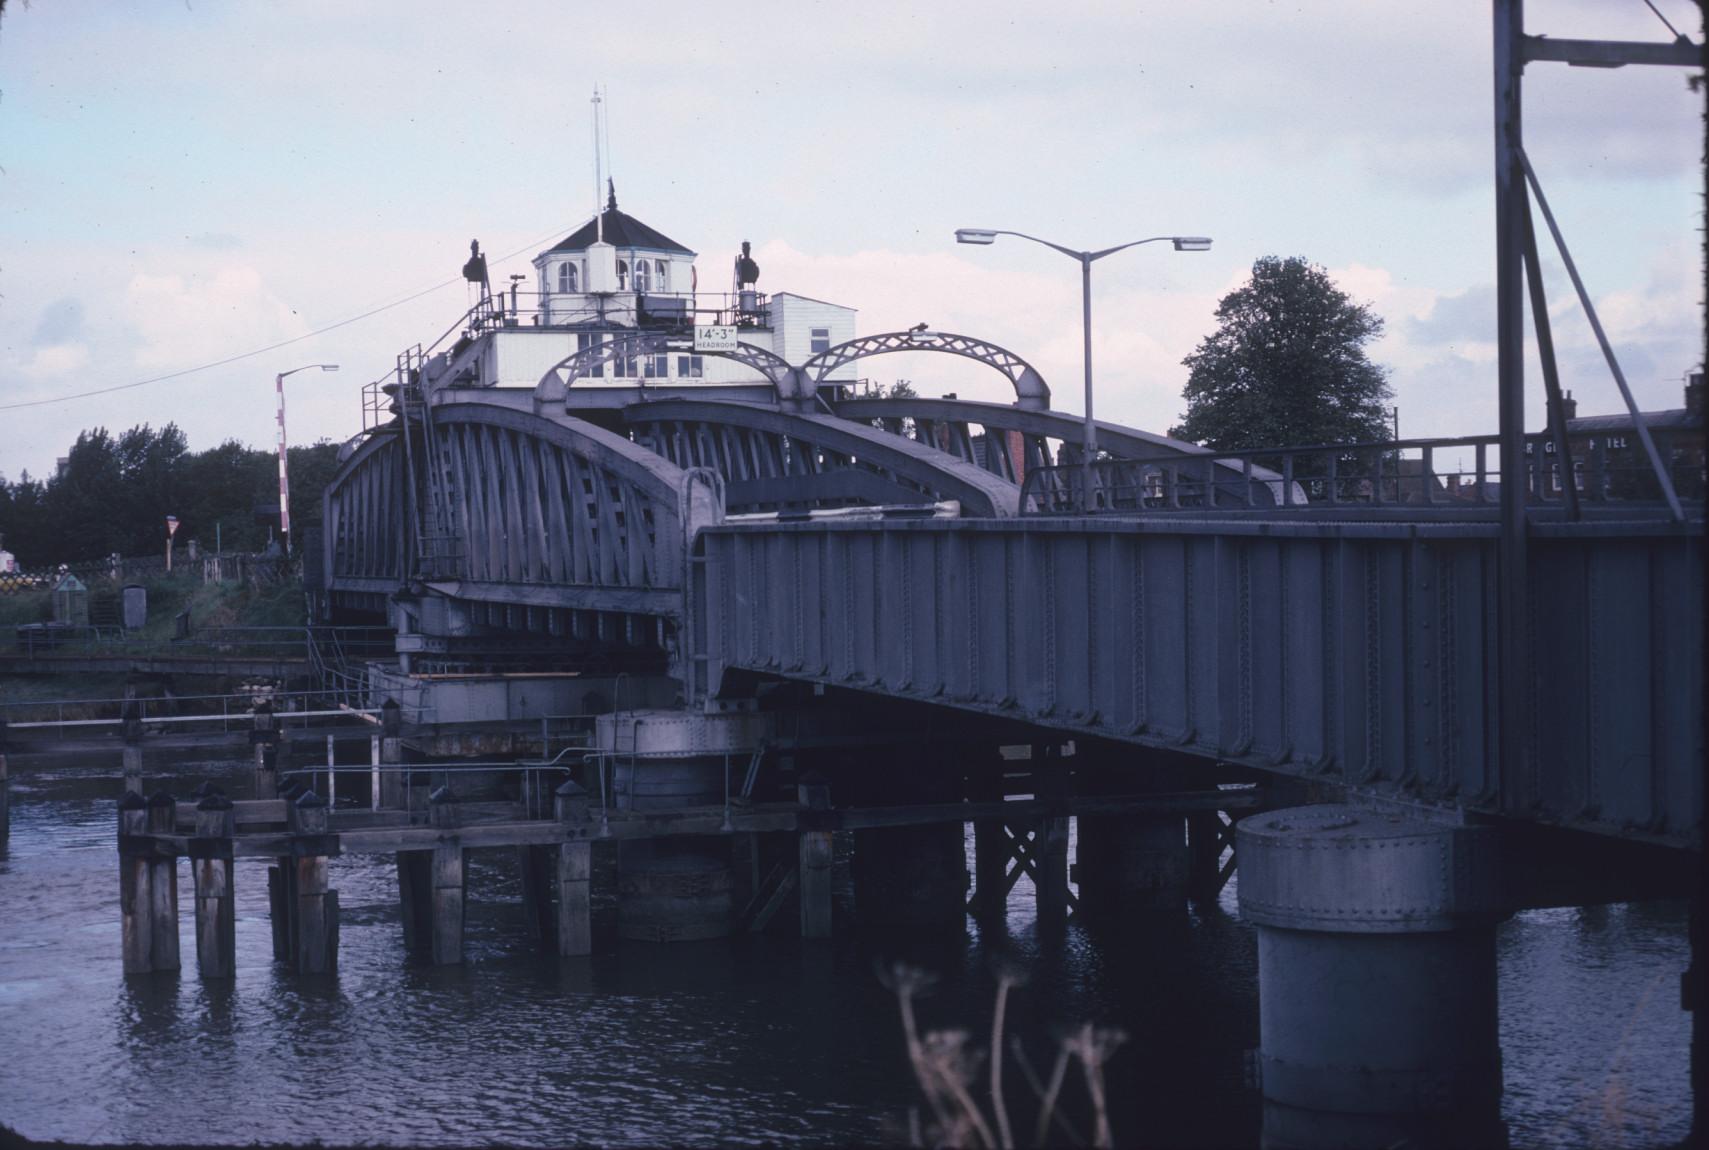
{"x":183,"y":182}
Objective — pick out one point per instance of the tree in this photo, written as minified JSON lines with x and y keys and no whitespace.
{"x":1286,"y":366}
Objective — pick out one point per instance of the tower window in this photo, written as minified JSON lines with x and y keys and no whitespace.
{"x":567,"y":278}
{"x":622,"y":275}
{"x":661,"y":276}
{"x":821,"y":340}
{"x":689,"y":367}
{"x":643,"y":275}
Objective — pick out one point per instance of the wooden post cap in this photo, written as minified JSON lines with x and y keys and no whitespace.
{"x":570,"y":802}
{"x":214,"y":802}
{"x":307,"y":814}
{"x":442,"y":807}
{"x":161,"y":799}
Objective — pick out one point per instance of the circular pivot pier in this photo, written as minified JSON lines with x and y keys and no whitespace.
{"x":1376,"y":975}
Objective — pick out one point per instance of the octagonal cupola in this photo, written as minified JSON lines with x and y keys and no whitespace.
{"x":610,"y":265}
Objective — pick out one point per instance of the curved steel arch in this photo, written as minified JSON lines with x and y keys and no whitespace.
{"x":543,"y":513}
{"x":774,"y":458}
{"x":1031,"y":392}
{"x":580,"y":363}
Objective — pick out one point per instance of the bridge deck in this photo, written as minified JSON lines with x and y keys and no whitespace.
{"x":1358,"y":652}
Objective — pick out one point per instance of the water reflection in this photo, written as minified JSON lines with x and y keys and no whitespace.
{"x":749,"y":1039}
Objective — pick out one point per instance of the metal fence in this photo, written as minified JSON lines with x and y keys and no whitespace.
{"x":1460,"y":473}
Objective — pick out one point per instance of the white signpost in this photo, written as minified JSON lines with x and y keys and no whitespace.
{"x":714,"y":338}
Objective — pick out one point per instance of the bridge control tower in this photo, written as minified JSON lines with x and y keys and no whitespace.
{"x":620,"y":283}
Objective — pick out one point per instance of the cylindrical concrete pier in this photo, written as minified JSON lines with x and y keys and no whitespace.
{"x":678,"y":889}
{"x":1376,"y":976}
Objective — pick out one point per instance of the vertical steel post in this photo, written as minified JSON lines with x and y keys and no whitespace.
{"x":1089,"y":443}
{"x":1514,"y":646}
{"x":284,"y":477}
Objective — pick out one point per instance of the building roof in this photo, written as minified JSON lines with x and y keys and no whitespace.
{"x":1676,"y":417}
{"x":810,"y":299}
{"x":621,"y":230}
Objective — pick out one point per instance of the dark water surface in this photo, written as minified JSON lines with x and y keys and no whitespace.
{"x":751,"y":1040}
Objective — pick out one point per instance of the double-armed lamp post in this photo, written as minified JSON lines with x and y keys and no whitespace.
{"x":284,"y":473}
{"x":1089,"y":442}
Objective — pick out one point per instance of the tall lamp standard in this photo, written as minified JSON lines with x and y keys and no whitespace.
{"x":284,"y":473}
{"x":1089,"y":440}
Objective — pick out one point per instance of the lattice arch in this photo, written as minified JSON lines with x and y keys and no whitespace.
{"x":1031,"y":392}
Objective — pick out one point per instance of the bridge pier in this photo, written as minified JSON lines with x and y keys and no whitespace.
{"x":574,"y":873}
{"x":1376,"y":977}
{"x":911,"y":878}
{"x":1129,"y":863}
{"x":136,"y":902}
{"x":216,"y":903}
{"x":991,"y":852}
{"x":448,"y":881}
{"x":678,"y":889}
{"x":1050,"y":840}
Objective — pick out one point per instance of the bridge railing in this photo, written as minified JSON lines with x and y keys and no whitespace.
{"x":1457,"y":473}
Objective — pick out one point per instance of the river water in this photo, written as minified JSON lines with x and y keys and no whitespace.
{"x":752,"y":1040}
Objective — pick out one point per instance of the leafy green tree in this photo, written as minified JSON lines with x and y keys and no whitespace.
{"x":1286,"y":366}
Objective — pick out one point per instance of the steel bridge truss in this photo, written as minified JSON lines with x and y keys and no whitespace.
{"x":777,"y":460}
{"x":548,"y":515}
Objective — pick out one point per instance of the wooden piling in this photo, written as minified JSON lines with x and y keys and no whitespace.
{"x":447,"y":880}
{"x":990,"y":845}
{"x":535,"y":864}
{"x":1050,"y":881}
{"x":5,"y":791}
{"x":162,"y":814}
{"x":136,"y":900}
{"x":814,"y":795}
{"x":575,"y":872}
{"x":314,"y":905}
{"x":391,"y":747}
{"x":265,"y":736}
{"x":211,"y":869}
{"x":415,"y":899}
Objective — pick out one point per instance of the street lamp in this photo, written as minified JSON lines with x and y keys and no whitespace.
{"x":284,"y":474}
{"x":1089,"y":443}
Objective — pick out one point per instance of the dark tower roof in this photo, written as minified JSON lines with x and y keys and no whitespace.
{"x":621,"y":230}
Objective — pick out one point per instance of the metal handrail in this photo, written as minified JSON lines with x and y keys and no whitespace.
{"x":1395,"y":472}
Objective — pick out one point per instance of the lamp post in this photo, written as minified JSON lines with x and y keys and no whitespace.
{"x":284,"y":473}
{"x":1089,"y":439}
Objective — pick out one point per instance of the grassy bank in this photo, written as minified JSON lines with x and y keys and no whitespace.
{"x":209,"y":604}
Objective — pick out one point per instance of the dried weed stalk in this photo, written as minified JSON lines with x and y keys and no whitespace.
{"x":946,"y":1063}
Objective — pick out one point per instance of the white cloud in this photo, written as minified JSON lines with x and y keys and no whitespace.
{"x":185,"y":320}
{"x":54,"y":360}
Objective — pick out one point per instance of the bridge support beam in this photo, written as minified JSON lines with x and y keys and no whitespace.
{"x":448,"y":881}
{"x":1376,"y":977}
{"x":1050,"y":842}
{"x":1129,"y":863}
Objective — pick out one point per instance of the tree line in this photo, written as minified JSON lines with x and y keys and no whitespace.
{"x":113,"y":494}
